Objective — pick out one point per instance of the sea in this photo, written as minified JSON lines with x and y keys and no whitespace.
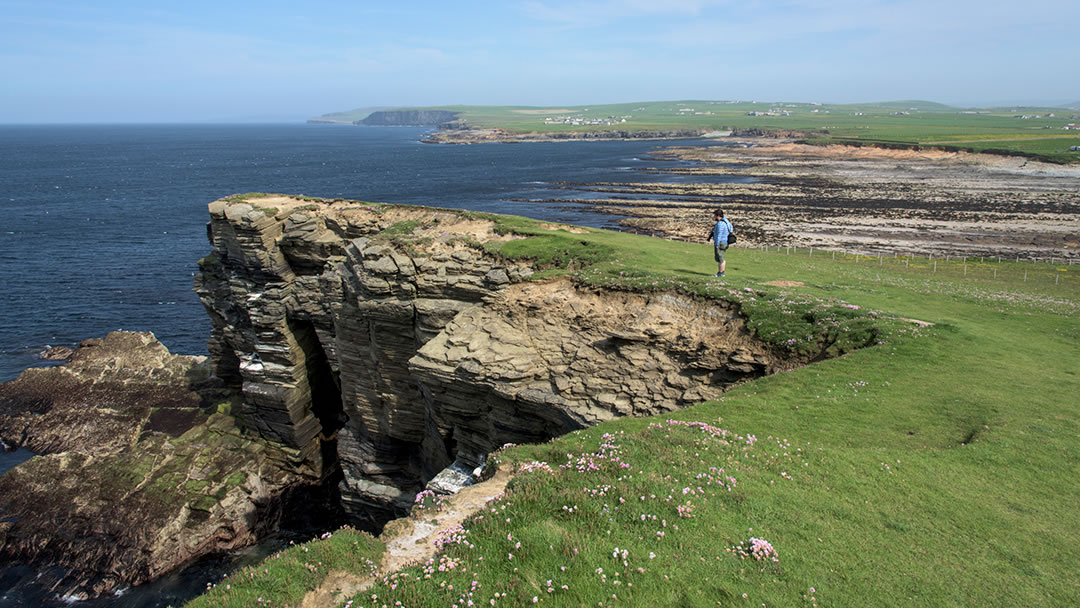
{"x":101,"y":227}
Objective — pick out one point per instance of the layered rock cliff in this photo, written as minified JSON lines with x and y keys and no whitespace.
{"x":389,"y":341}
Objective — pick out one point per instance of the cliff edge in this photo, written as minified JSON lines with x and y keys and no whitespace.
{"x":394,"y":343}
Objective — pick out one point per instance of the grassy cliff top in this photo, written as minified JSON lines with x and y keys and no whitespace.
{"x":935,"y":469}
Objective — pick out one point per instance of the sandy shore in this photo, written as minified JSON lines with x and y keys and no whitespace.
{"x":868,"y":200}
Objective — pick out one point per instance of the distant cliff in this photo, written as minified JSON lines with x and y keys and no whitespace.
{"x":411,"y":118}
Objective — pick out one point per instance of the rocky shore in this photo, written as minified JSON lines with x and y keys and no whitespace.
{"x":868,"y":200}
{"x":140,"y":468}
{"x":456,"y":133}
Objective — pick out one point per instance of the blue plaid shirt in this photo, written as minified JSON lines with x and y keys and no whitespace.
{"x":721,"y":231}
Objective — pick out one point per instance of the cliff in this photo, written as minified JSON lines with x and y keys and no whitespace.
{"x":391,"y":341}
{"x":412,"y":118}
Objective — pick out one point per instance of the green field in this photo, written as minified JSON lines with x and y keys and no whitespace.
{"x":905,"y":123}
{"x":939,"y":467}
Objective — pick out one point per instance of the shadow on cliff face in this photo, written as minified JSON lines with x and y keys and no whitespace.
{"x":325,"y":393}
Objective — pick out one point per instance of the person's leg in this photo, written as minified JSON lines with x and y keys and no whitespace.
{"x":719,"y":257}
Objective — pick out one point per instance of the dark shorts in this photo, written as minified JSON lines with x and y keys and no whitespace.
{"x":718,"y":252}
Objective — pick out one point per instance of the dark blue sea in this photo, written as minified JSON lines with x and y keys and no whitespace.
{"x":101,"y":227}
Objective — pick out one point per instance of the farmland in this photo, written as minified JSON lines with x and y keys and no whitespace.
{"x":1038,"y":132}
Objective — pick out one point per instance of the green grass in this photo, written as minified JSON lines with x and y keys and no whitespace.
{"x":400,"y":229}
{"x":285,"y":577}
{"x":897,"y":123}
{"x":246,"y":197}
{"x":937,"y":468}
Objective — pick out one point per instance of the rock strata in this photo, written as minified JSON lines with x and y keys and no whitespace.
{"x":138,"y":471}
{"x":545,"y":359}
{"x":112,"y":390}
{"x":388,"y":342}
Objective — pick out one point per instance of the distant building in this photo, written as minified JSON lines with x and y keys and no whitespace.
{"x":1072,"y":126}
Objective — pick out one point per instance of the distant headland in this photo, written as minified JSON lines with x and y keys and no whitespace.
{"x":1046,"y":133}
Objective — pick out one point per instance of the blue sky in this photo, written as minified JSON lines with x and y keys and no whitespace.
{"x":120,"y":61}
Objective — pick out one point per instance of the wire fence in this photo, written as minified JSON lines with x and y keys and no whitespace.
{"x":1044,"y":271}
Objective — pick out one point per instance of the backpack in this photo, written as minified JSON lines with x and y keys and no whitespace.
{"x":731,"y":233}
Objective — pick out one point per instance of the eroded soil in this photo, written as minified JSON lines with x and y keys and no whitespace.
{"x":411,"y":540}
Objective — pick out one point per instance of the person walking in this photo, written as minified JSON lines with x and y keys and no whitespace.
{"x":719,"y":237}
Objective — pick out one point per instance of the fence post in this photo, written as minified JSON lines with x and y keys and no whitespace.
{"x":1025,"y":275}
{"x":935,"y":265}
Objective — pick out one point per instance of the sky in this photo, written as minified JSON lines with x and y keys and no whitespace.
{"x":197,"y":61}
